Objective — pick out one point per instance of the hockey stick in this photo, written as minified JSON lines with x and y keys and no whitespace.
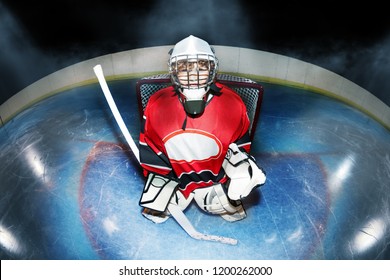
{"x":183,"y":221}
{"x":175,"y":210}
{"x":114,"y":109}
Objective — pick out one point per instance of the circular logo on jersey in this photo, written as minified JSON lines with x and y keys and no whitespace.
{"x":192,"y":145}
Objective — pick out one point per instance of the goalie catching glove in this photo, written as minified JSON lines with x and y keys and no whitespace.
{"x":243,"y":172}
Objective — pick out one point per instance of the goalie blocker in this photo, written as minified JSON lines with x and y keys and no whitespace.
{"x":158,"y":191}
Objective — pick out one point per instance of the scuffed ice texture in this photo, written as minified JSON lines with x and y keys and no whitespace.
{"x":70,"y":187}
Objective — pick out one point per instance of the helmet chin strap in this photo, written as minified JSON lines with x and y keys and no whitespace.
{"x":189,"y":109}
{"x":194,"y":101}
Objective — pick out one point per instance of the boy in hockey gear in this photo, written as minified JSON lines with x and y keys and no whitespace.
{"x":194,"y":143}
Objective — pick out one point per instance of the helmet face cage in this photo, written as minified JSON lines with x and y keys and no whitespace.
{"x":193,"y":71}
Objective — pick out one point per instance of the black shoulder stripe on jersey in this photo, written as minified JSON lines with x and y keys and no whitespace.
{"x":244,"y":139}
{"x":148,"y":156}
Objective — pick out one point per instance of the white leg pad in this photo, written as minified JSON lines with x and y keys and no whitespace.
{"x":214,"y":200}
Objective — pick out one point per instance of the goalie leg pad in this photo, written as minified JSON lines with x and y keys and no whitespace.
{"x":160,"y":217}
{"x":213,"y":200}
{"x":180,"y":200}
{"x":243,"y":172}
{"x":155,"y":216}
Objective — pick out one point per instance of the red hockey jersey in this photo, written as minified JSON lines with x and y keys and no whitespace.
{"x":192,"y":149}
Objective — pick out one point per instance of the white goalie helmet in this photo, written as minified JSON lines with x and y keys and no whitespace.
{"x":193,"y":67}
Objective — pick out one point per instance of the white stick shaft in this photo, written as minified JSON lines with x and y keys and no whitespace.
{"x":182,"y":220}
{"x":114,"y":109}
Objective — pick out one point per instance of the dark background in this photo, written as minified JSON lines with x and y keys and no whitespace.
{"x":38,"y":38}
